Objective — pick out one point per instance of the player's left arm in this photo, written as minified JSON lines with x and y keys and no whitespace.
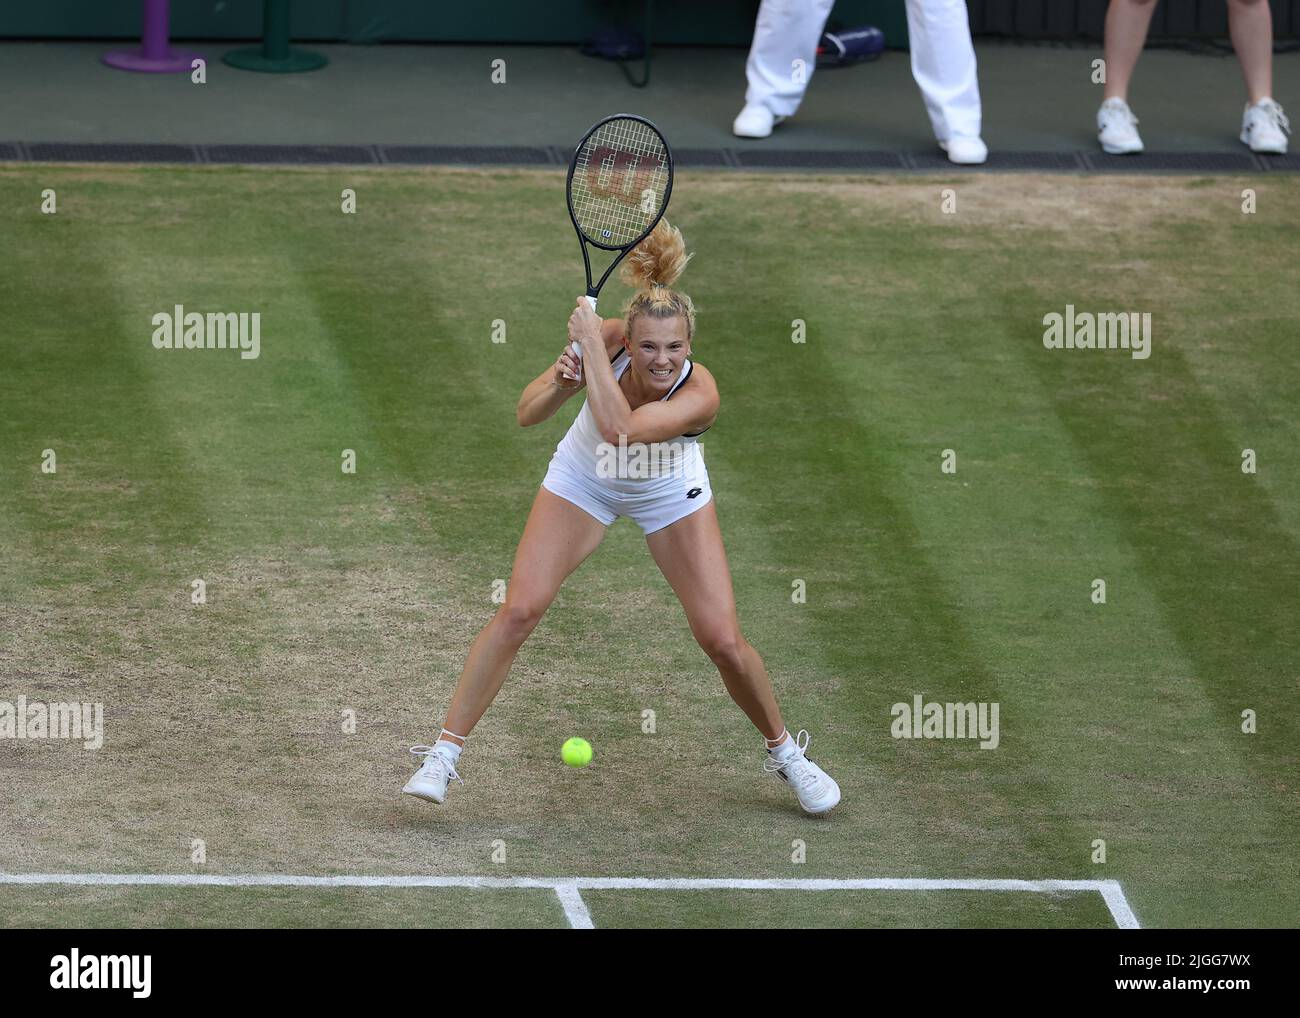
{"x":691,"y":408}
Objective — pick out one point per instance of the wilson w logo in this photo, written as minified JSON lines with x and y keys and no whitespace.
{"x":619,"y":174}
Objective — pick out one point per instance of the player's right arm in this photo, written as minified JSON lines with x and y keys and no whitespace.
{"x":549,"y":391}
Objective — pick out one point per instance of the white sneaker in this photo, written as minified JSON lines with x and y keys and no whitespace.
{"x":1117,"y":128}
{"x":1264,"y":127}
{"x":817,"y":791}
{"x":965,"y":151}
{"x":430,"y":781}
{"x":755,"y":122}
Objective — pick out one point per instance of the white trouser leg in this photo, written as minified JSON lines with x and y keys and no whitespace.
{"x":787,"y":31}
{"x":943,"y":64}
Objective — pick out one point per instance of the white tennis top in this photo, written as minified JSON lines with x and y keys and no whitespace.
{"x":581,"y":450}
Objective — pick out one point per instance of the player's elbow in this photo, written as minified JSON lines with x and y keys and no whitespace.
{"x":617,"y":433}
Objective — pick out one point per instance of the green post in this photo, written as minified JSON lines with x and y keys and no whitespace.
{"x":275,"y":55}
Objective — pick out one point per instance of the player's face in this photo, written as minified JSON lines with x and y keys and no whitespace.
{"x":659,"y":347}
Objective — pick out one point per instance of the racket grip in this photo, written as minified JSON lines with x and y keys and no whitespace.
{"x":577,"y":349}
{"x":577,"y":352}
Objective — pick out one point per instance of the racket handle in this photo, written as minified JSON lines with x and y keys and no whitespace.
{"x":577,"y":349}
{"x":577,"y":352}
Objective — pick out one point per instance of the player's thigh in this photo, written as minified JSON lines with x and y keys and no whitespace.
{"x":691,"y":556}
{"x":557,"y":538}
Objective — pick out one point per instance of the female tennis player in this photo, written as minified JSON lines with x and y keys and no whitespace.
{"x":641,"y":388}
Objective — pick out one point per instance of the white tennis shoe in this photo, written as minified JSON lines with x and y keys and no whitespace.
{"x":1264,"y":127}
{"x":817,"y":791}
{"x":754,"y":121}
{"x":1117,"y":128}
{"x":965,"y":150}
{"x":430,"y":781}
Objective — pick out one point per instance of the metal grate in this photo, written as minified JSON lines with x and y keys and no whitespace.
{"x":1177,"y":162}
{"x":700,"y":157}
{"x":87,"y":152}
{"x":735,"y":158}
{"x":293,"y":154}
{"x":1290,"y":161}
{"x":479,"y":155}
{"x":828,"y":160}
{"x":1003,"y":161}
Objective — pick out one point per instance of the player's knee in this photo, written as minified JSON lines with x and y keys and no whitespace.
{"x":518,"y":618}
{"x":724,"y":645}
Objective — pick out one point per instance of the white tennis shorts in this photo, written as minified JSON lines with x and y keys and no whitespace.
{"x":654,"y":503}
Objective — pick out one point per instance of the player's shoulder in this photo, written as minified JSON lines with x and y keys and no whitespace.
{"x":704,"y":389}
{"x":702,"y":377}
{"x":611,"y":331}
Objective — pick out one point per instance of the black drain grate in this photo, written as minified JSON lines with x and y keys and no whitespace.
{"x":103,"y":152}
{"x":1002,"y":161}
{"x":794,"y":159}
{"x":700,"y":157}
{"x":291,"y":154}
{"x":1177,"y":162}
{"x":745,"y":157}
{"x":474,"y":155}
{"x":1290,"y":161}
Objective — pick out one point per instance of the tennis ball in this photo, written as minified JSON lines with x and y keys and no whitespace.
{"x":576,"y":752}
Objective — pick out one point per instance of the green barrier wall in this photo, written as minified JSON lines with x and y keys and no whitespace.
{"x":676,"y":22}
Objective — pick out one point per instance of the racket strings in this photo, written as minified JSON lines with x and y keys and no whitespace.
{"x":619,"y":183}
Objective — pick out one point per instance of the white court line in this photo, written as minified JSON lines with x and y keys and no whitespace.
{"x":568,"y":889}
{"x":575,"y":909}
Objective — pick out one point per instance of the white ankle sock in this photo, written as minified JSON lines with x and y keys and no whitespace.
{"x":784,"y":749}
{"x":447,"y":749}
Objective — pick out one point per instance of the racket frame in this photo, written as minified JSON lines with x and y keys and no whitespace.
{"x":623,"y":249}
{"x":593,"y":291}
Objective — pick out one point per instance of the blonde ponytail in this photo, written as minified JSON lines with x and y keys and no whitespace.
{"x":651,"y":270}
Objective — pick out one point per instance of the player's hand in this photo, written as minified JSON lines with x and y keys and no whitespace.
{"x":567,"y":369}
{"x":584,"y":324}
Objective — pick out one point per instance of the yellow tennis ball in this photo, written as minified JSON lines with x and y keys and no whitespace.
{"x":576,"y":752}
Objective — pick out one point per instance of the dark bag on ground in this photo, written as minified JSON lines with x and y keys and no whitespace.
{"x":850,"y":46}
{"x":615,"y":44}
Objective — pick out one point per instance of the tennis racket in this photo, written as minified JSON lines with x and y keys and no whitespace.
{"x":620,"y":180}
